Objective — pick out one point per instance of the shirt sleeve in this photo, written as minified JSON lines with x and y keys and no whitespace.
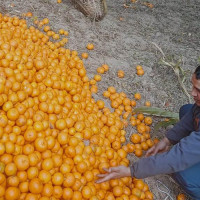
{"x":182,"y":129}
{"x":181,"y":156}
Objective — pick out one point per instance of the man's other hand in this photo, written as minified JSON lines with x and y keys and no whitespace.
{"x":161,"y":146}
{"x":114,"y":173}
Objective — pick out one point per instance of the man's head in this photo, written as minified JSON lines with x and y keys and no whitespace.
{"x":196,"y":86}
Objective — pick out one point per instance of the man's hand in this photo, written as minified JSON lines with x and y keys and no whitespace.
{"x":161,"y":146}
{"x":114,"y":173}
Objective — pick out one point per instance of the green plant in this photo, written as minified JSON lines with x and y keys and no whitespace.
{"x":172,"y":117}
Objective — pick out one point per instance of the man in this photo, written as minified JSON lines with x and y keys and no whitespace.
{"x":182,"y":160}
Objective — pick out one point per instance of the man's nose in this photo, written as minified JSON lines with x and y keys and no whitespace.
{"x":194,"y":93}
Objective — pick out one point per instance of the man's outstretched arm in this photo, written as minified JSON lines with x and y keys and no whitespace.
{"x":181,"y":156}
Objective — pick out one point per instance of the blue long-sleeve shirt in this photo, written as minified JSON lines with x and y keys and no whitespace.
{"x":186,"y":150}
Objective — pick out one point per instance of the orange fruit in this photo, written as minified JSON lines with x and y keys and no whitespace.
{"x":116,"y":145}
{"x":180,"y":196}
{"x":40,"y":144}
{"x":38,"y":126}
{"x":144,"y":146}
{"x":109,"y":196}
{"x":140,"y":116}
{"x":10,"y":169}
{"x":114,"y":182}
{"x":100,"y":70}
{"x":63,"y":138}
{"x":137,"y":192}
{"x":57,"y":192}
{"x":138,"y":146}
{"x":81,"y":167}
{"x":45,"y":20}
{"x":90,"y":46}
{"x":135,"y":138}
{"x":47,"y":28}
{"x":32,"y":172}
{"x":22,"y":162}
{"x":139,"y":184}
{"x":77,"y":195}
{"x":147,"y":103}
{"x":97,"y":77}
{"x":137,"y":96}
{"x":138,"y":67}
{"x":69,"y":180}
{"x":89,"y":176}
{"x":61,"y":124}
{"x":12,"y":193}
{"x":47,"y":190}
{"x":29,"y":14}
{"x":100,"y":104}
{"x":86,"y":192}
{"x":106,"y":67}
{"x":140,"y":72}
{"x":35,"y":186}
{"x":141,"y":128}
{"x":148,"y":120}
{"x":61,"y":31}
{"x":138,"y":152}
{"x":112,"y":90}
{"x":117,"y":191}
{"x":57,"y":178}
{"x":77,"y":185}
{"x":149,"y":143}
{"x":3,"y":120}
{"x":84,"y":55}
{"x":47,"y":164}
{"x":102,"y":166}
{"x":122,"y":153}
{"x":120,"y":74}
{"x":67,"y":193}
{"x":12,"y":114}
{"x":126,"y":190}
{"x":133,"y":103}
{"x":13,"y":181}
{"x":131,"y":147}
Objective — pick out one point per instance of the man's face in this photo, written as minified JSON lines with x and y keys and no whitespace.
{"x":196,"y":89}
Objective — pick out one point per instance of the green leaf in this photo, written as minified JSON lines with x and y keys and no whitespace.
{"x":164,"y":124}
{"x":156,"y":112}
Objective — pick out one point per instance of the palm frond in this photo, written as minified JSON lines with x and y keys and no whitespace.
{"x":156,"y":112}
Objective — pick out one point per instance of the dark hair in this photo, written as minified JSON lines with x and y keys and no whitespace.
{"x":197,"y":72}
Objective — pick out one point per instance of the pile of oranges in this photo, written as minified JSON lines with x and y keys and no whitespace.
{"x":54,"y":137}
{"x":122,"y":106}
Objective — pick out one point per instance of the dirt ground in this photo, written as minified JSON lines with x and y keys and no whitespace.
{"x":126,"y":37}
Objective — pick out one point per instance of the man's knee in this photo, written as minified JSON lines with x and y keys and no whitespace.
{"x":189,"y":180}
